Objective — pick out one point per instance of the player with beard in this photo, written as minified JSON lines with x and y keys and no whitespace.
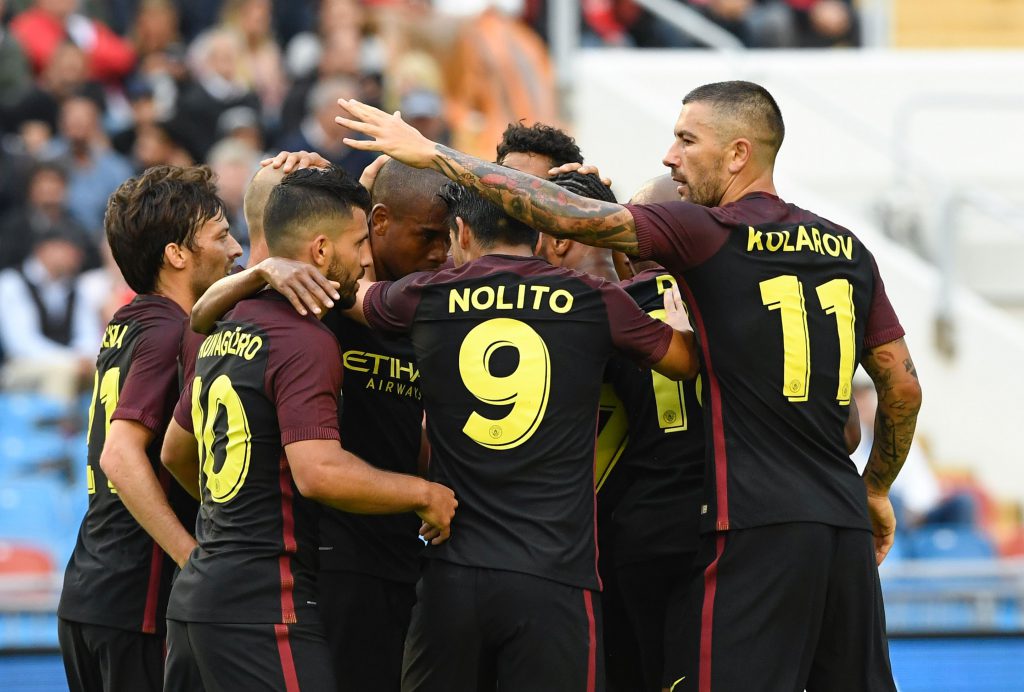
{"x":168,"y":235}
{"x":264,"y":407}
{"x":369,"y":565}
{"x":790,"y":527}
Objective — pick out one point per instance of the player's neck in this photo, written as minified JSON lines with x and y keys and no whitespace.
{"x":179,"y":292}
{"x":500,"y":249}
{"x":597,"y":264}
{"x":741,"y":188}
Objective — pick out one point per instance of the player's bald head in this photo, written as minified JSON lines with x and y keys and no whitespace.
{"x":255,"y":201}
{"x":742,"y":109}
{"x":404,"y":189}
{"x":657,"y":190}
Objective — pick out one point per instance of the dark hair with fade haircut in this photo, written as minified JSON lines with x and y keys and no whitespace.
{"x":540,"y":139}
{"x":163,"y":205}
{"x":489,"y":222}
{"x":585,"y":185}
{"x":305,"y":195}
{"x":750,"y":102}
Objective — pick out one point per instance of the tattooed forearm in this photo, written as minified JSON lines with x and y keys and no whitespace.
{"x":541,"y":204}
{"x":899,"y":400}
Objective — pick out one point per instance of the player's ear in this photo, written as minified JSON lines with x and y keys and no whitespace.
{"x":739,"y":155}
{"x":174,"y":255}
{"x":561,"y":246}
{"x":379,"y":219}
{"x":320,"y":251}
{"x":463,"y":233}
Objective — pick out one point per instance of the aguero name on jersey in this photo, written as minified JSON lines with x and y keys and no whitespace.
{"x":658,"y":512}
{"x":783,"y":304}
{"x":118,"y":576}
{"x":382,"y":423}
{"x":265,"y":378}
{"x":511,"y":354}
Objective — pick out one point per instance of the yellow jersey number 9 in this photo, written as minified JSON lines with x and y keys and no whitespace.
{"x":526,"y":388}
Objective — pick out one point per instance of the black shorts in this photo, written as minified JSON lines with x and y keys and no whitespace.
{"x":365,"y":620}
{"x":782,"y":608}
{"x":255,"y":658}
{"x":649,"y":591}
{"x":529,"y":633}
{"x":106,"y":659}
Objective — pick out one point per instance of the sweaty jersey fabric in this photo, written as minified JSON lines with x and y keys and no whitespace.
{"x":511,"y":353}
{"x":658,"y":513}
{"x":382,"y":423}
{"x":783,"y":303}
{"x":117,"y":575}
{"x":265,"y":378}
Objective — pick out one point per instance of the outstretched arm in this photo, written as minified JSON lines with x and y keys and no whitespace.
{"x":304,"y":287}
{"x":899,"y":400}
{"x":538,"y":203}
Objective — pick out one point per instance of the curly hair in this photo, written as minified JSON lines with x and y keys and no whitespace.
{"x":539,"y":139}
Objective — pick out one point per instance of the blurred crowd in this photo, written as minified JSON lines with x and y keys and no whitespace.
{"x":94,"y":91}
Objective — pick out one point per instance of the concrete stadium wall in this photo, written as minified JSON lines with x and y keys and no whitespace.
{"x":841,"y":110}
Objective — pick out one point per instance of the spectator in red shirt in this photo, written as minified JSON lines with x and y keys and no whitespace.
{"x":49,"y":23}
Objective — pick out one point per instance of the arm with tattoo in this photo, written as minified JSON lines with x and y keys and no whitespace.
{"x":899,"y":400}
{"x":541,"y":204}
{"x":538,"y":203}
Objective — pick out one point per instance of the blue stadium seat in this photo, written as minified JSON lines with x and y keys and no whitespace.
{"x":21,"y":451}
{"x":27,"y":409}
{"x":950,"y":543}
{"x":32,"y":509}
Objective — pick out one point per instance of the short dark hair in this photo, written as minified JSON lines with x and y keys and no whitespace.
{"x":748,"y":101}
{"x":163,"y":205}
{"x":539,"y":139}
{"x":489,"y":222}
{"x":585,"y":185}
{"x":54,"y":167}
{"x":306,"y":195}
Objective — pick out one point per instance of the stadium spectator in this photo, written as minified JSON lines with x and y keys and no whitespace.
{"x":233,"y":162}
{"x":261,"y":64}
{"x":15,"y":75}
{"x":48,"y":23}
{"x":155,"y":28}
{"x":498,"y":72}
{"x":215,"y":62}
{"x":785,"y":23}
{"x":318,"y":131}
{"x":65,"y":76}
{"x":337,"y":56}
{"x":45,"y":210}
{"x":46,"y":331}
{"x":94,"y":168}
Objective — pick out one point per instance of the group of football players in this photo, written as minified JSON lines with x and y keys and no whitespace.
{"x":638,"y":468}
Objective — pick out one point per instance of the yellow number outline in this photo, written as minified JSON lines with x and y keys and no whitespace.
{"x":105,"y":391}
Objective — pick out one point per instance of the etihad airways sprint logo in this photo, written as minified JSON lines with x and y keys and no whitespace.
{"x":386,"y":373}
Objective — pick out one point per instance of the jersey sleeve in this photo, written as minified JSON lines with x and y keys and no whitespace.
{"x":151,"y":385}
{"x":390,"y":306}
{"x":883,"y":325}
{"x":183,"y":409}
{"x":304,"y":380}
{"x":634,"y":333}
{"x":677,"y":235}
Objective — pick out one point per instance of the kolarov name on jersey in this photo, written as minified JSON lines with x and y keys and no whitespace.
{"x":800,"y":240}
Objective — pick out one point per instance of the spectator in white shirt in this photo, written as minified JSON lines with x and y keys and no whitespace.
{"x":48,"y":334}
